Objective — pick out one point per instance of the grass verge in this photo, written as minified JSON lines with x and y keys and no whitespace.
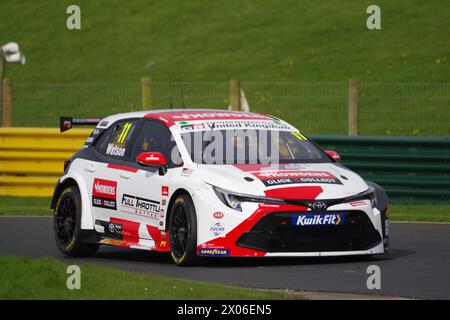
{"x":319,"y":43}
{"x":426,"y":213}
{"x":22,"y":206}
{"x":25,"y":206}
{"x":46,"y":278}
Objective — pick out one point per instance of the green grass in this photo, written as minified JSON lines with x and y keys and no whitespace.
{"x":22,"y":206}
{"x":429,"y":213}
{"x":25,"y":206}
{"x":45,"y":278}
{"x":256,"y":40}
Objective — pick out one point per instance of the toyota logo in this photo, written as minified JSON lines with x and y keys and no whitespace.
{"x":318,"y":206}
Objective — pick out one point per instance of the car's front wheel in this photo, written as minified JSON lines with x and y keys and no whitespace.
{"x":183,"y":231}
{"x":67,"y":225}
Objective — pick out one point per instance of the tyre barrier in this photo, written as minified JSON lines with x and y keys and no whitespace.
{"x":411,"y":169}
{"x":32,"y":159}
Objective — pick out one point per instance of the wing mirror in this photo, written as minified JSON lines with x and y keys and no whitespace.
{"x":153,"y":159}
{"x":336,"y":156}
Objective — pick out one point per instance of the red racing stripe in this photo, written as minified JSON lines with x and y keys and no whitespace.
{"x":161,"y":238}
{"x":229,"y":241}
{"x":304,"y":193}
{"x":119,"y":167}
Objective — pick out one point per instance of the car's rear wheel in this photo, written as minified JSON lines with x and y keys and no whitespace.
{"x":183,"y":231}
{"x":67,"y":225}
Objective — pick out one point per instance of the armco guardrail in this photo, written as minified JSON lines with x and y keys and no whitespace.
{"x":413,"y":170}
{"x":31,"y":159}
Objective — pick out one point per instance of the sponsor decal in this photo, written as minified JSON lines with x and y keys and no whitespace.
{"x":92,"y":137}
{"x":67,"y":124}
{"x":318,"y":219}
{"x":276,"y":178}
{"x":358,"y":203}
{"x":152,"y":157}
{"x":217,"y":115}
{"x":164,"y":119}
{"x":114,"y":150}
{"x":163,"y":202}
{"x":115,"y":228}
{"x":268,"y":205}
{"x":185,"y":126}
{"x":218,"y":215}
{"x":186,"y":172}
{"x":114,"y":242}
{"x":124,"y":133}
{"x":164,"y":190}
{"x":141,"y":206}
{"x":217,"y":229}
{"x":213,"y":252}
{"x":110,"y":228}
{"x":233,"y":124}
{"x":130,"y":229}
{"x":299,"y":136}
{"x":265,"y":125}
{"x":104,"y":194}
{"x":318,"y":206}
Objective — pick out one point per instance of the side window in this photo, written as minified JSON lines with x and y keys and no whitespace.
{"x":93,"y":137}
{"x":115,"y":141}
{"x":102,"y":141}
{"x":155,"y":136}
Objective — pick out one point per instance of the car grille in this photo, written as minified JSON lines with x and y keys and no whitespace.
{"x":275,"y":233}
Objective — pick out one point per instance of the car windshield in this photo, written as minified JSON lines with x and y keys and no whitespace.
{"x":252,"y":146}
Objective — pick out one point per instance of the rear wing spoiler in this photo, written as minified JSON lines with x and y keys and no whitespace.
{"x":66,"y":123}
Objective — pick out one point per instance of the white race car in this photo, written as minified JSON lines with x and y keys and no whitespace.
{"x":212,"y":183}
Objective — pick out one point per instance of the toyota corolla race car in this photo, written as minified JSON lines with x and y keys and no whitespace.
{"x":211,"y":183}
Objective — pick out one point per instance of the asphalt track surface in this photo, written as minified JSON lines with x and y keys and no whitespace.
{"x":417,"y":267}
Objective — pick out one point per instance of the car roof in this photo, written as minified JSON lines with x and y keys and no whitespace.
{"x":170,"y":116}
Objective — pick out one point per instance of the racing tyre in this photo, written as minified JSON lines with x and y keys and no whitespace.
{"x":67,"y":225}
{"x":183,"y":232}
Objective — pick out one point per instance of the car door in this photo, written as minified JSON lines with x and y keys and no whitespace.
{"x":146,"y":191}
{"x":109,"y":152}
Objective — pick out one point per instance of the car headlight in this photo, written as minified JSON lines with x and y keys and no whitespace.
{"x":234,"y":200}
{"x":369,"y":194}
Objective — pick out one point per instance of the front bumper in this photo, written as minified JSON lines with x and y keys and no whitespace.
{"x":275,"y":233}
{"x":266,"y":230}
